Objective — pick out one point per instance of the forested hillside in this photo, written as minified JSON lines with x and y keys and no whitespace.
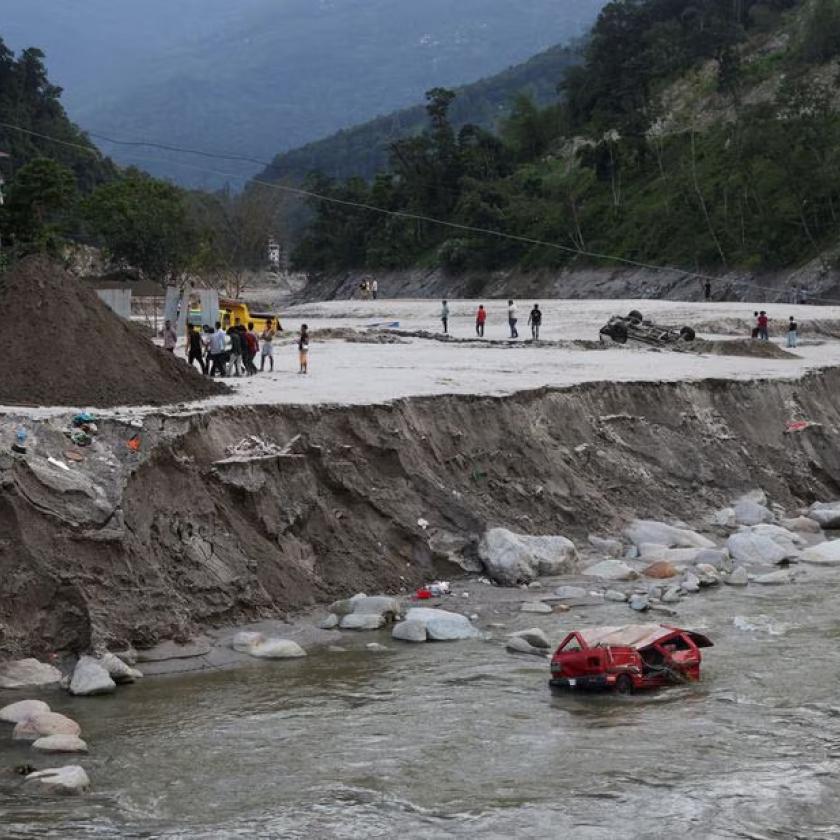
{"x":364,"y":149}
{"x":29,"y":100}
{"x":703,"y":134}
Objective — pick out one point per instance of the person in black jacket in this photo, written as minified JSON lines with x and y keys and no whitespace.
{"x":535,"y":321}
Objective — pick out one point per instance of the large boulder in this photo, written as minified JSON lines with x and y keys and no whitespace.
{"x":750,"y":548}
{"x":119,"y":671}
{"x":28,"y":673}
{"x":611,"y":570}
{"x":786,"y":538}
{"x":43,"y":724}
{"x":825,"y":514}
{"x":382,"y":605}
{"x":409,"y":631}
{"x":91,"y":677}
{"x":824,"y":554}
{"x":442,"y":625}
{"x":60,"y":744}
{"x":717,"y":557}
{"x":71,"y":780}
{"x":23,"y":709}
{"x":510,"y":559}
{"x":649,"y":531}
{"x":362,"y":621}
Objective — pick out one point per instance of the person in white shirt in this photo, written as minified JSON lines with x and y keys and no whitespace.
{"x":217,"y":351}
{"x":374,"y":287}
{"x":512,"y":319}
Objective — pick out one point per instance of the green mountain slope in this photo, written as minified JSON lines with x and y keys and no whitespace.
{"x":703,"y":135}
{"x":363,"y":150}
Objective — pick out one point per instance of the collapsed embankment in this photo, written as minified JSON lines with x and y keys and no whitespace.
{"x":822,"y":285}
{"x":133,"y":548}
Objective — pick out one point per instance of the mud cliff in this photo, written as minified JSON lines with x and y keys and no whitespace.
{"x":132,"y":547}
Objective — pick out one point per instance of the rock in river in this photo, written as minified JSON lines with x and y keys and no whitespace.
{"x":510,"y":559}
{"x":638,"y":602}
{"x":611,"y":570}
{"x":28,"y":673}
{"x":66,"y":780}
{"x":648,"y":531}
{"x":517,"y":644}
{"x":749,"y":512}
{"x":534,"y":636}
{"x":443,"y":626}
{"x":60,"y":744}
{"x":536,"y":607}
{"x":774,"y":578}
{"x":23,"y":709}
{"x":409,"y":631}
{"x":738,"y":577}
{"x":751,"y":548}
{"x":660,"y":570}
{"x":119,"y":671}
{"x":824,"y":554}
{"x":362,"y":621}
{"x":273,"y":648}
{"x":90,"y":677}
{"x":803,"y":524}
{"x":46,"y":723}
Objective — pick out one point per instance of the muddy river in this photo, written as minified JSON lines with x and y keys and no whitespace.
{"x":464,"y":740}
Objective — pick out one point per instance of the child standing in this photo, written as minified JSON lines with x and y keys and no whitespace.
{"x":480,"y":319}
{"x":303,"y":349}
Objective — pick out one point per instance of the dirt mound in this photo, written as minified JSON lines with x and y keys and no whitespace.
{"x":66,"y":347}
{"x":742,"y":347}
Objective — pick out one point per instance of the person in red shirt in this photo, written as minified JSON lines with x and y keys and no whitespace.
{"x":763,"y":322}
{"x":480,"y":318}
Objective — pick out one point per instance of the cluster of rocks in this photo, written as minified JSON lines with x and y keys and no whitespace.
{"x":362,"y":612}
{"x":94,"y":675}
{"x":51,"y":733}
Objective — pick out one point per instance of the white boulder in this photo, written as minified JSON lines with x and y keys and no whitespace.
{"x":749,"y":512}
{"x":615,"y":595}
{"x":802,"y":524}
{"x":738,"y":577}
{"x":517,"y":644}
{"x":611,"y":570}
{"x":409,"y":631}
{"x":362,"y":621}
{"x":690,"y":583}
{"x":60,"y":744}
{"x":649,"y":531}
{"x":825,"y":514}
{"x":45,"y":723}
{"x":510,"y":559}
{"x":23,"y":709}
{"x":824,"y":554}
{"x":751,"y":548}
{"x":245,"y":640}
{"x":71,"y":780}
{"x":90,"y":677}
{"x":442,"y":625}
{"x":330,"y":622}
{"x":28,"y":673}
{"x":273,"y":648}
{"x":774,"y":578}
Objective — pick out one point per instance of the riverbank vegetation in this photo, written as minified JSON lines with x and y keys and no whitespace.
{"x":703,"y":136}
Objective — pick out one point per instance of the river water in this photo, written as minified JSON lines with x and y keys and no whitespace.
{"x":464,"y":740}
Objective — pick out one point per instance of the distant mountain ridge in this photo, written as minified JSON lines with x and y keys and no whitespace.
{"x":363,"y":149}
{"x":263,"y":76}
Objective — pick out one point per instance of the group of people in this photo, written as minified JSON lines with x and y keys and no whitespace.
{"x":534,"y":319}
{"x":232,"y":352}
{"x":369,"y":289}
{"x":761,"y":328}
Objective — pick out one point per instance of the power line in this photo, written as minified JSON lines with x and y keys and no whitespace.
{"x":302,"y":193}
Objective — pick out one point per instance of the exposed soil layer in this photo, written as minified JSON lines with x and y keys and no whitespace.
{"x":69,"y":348}
{"x":136,"y":547}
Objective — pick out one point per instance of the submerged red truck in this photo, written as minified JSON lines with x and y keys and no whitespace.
{"x":626,"y":659}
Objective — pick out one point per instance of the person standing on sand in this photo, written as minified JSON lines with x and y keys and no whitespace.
{"x":792,"y":333}
{"x":235,"y":336}
{"x":512,"y":319}
{"x":267,"y":346}
{"x":480,"y":320}
{"x":444,"y":317}
{"x":535,"y":321}
{"x":195,"y":349}
{"x":216,"y":349}
{"x":763,"y":323}
{"x":303,"y":349}
{"x":707,"y":290}
{"x":250,"y":350}
{"x":374,"y":288}
{"x":754,"y":333}
{"x":170,"y":337}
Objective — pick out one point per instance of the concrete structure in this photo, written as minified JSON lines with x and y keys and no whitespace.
{"x":117,"y":299}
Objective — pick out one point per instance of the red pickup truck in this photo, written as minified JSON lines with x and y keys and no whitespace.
{"x":626,"y":659}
